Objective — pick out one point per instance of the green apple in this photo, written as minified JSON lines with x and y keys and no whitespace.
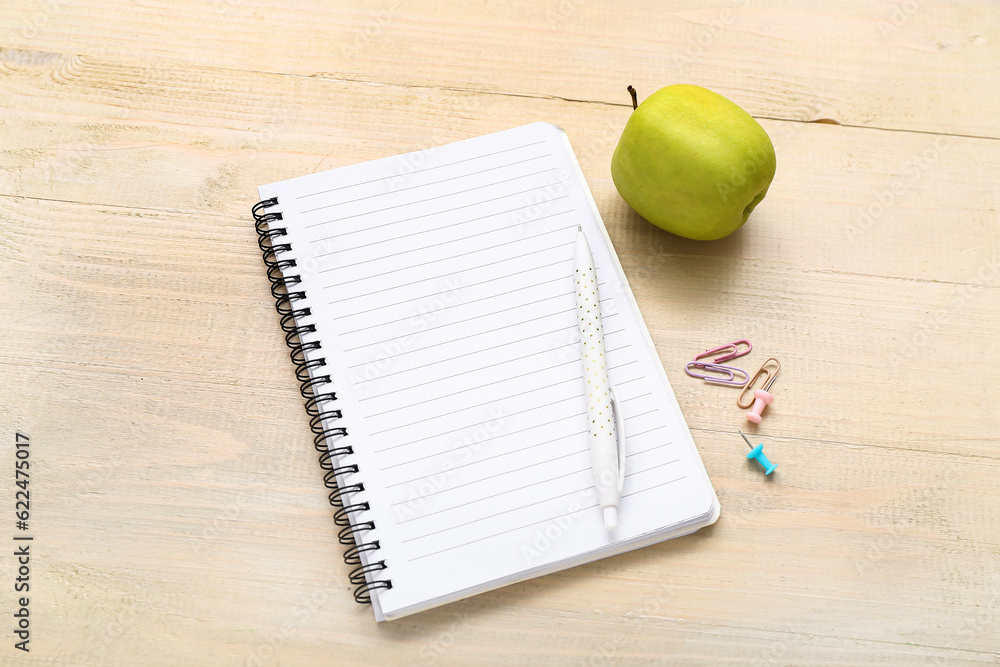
{"x":692,"y":162}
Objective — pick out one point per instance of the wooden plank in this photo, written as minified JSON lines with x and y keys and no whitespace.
{"x":203,"y":139}
{"x":179,"y":512}
{"x":901,"y":65}
{"x":845,"y":339}
{"x":209,"y":532}
{"x":853,"y":338}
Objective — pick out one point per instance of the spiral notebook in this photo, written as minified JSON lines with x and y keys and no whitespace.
{"x":429,"y":304}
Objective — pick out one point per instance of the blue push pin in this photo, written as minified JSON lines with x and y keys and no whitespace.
{"x":758,"y":454}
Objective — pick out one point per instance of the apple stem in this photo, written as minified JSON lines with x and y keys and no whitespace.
{"x":635,"y":103}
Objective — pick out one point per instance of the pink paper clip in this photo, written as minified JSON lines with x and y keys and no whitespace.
{"x":728,"y":376}
{"x":729,"y":350}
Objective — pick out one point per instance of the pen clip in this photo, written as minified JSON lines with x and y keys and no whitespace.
{"x":619,"y":437}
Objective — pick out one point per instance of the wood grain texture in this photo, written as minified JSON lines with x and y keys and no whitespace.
{"x":178,"y":511}
{"x":910,"y":64}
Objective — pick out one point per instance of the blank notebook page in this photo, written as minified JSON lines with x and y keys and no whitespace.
{"x":441,"y":286}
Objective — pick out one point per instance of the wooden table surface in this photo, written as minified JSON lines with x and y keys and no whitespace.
{"x":178,"y":514}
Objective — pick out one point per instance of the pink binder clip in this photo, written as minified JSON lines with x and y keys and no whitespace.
{"x":728,"y":351}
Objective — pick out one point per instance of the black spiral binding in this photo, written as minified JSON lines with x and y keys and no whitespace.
{"x":318,"y":403}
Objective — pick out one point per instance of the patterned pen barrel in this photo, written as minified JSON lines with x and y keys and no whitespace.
{"x":603,"y":414}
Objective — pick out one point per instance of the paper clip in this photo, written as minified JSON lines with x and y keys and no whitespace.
{"x":728,"y":377}
{"x":768,"y":376}
{"x":730,"y":350}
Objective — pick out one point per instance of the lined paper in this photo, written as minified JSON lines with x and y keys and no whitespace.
{"x":441,"y":287}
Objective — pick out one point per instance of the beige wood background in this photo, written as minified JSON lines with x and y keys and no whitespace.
{"x":178,"y":512}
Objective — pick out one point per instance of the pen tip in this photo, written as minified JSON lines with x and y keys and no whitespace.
{"x":579,"y":228}
{"x":610,"y":518}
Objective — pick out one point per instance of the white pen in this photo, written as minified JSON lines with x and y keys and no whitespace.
{"x":607,"y":427}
